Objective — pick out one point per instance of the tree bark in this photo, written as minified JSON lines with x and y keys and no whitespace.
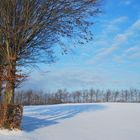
{"x":10,"y":85}
{"x":1,"y":82}
{"x":10,"y":116}
{"x":0,"y":90}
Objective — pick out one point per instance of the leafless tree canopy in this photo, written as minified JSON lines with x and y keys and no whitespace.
{"x":30,"y":28}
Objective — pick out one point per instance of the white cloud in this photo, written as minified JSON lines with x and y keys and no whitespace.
{"x":135,"y":55}
{"x":118,"y":41}
{"x":73,"y":78}
{"x":101,"y":54}
{"x":119,"y":20}
{"x":70,"y":78}
{"x":136,"y":25}
{"x":130,"y":53}
{"x":113,"y":26}
{"x":126,"y":2}
{"x":132,"y":50}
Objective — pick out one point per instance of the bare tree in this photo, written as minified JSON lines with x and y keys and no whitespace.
{"x":30,"y":29}
{"x":108,"y":94}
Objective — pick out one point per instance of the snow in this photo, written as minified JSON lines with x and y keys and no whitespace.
{"x":100,"y":121}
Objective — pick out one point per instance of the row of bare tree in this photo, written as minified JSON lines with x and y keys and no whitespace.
{"x":83,"y":96}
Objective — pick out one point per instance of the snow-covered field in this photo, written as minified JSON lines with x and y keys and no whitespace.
{"x":105,"y":121}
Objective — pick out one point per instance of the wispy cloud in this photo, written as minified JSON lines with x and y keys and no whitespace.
{"x":126,"y":2}
{"x":70,"y":78}
{"x":118,"y":40}
{"x":113,"y":25}
{"x":73,"y":78}
{"x":136,"y":25}
{"x":133,"y":52}
{"x":130,"y":53}
{"x":135,"y":55}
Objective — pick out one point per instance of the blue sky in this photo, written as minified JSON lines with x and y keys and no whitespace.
{"x":111,"y":60}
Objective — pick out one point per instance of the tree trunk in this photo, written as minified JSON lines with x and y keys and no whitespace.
{"x":0,"y":91}
{"x":10,"y":85}
{"x":1,"y":82}
{"x":10,"y":114}
{"x":9,"y":93}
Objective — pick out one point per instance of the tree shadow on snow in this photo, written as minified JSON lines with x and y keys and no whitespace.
{"x":43,"y":116}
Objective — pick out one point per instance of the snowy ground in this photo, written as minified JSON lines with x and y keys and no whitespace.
{"x":106,"y":121}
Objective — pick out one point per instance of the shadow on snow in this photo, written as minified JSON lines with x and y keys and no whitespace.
{"x":43,"y":116}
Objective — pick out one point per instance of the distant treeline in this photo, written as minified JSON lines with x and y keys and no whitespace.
{"x":82,"y":96}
